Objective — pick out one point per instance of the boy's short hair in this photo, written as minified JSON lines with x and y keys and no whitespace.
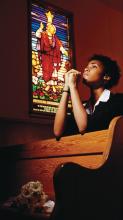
{"x":111,"y":68}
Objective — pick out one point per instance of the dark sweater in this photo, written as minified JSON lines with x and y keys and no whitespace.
{"x":100,"y":119}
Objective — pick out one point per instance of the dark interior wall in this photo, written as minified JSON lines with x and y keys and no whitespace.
{"x":14,"y":59}
{"x":98,"y":28}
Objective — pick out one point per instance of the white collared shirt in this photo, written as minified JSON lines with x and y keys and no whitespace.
{"x":103,"y":98}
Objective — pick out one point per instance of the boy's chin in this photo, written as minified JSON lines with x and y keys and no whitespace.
{"x":84,"y":81}
{"x":93,"y":85}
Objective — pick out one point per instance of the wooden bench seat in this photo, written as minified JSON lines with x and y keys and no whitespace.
{"x":38,"y":160}
{"x":96,"y":193}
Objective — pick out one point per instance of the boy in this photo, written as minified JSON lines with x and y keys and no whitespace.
{"x":100,"y":75}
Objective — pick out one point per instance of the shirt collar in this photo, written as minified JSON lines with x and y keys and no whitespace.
{"x":103,"y":98}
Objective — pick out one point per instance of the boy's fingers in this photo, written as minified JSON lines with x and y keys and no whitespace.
{"x":74,"y":72}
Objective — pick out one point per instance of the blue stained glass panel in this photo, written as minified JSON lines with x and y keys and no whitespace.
{"x":51,"y":55}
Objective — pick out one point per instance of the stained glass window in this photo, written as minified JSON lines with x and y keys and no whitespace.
{"x":52,"y":55}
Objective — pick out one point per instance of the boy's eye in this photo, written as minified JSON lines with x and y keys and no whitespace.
{"x":91,"y":66}
{"x":94,"y":66}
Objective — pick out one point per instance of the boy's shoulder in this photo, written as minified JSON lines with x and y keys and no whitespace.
{"x":117,"y":96}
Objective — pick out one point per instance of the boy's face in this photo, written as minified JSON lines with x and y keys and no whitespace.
{"x":94,"y":73}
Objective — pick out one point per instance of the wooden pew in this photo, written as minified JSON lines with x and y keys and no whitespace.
{"x":96,"y":193}
{"x":38,"y":160}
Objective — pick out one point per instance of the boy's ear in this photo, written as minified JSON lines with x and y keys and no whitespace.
{"x":106,"y":77}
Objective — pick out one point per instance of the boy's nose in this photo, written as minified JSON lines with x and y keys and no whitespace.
{"x":86,"y":69}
